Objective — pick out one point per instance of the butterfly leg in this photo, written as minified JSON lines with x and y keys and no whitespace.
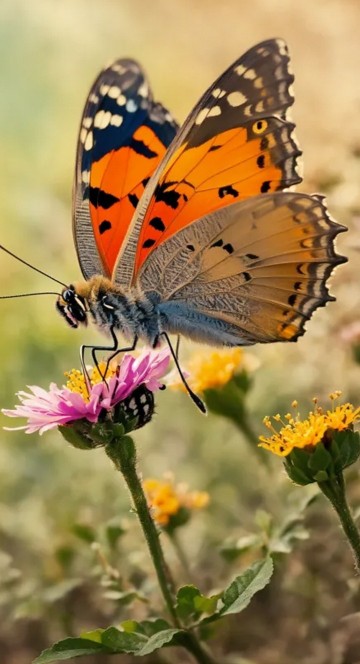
{"x":199,"y":403}
{"x":177,"y":347}
{"x":118,"y":350}
{"x":114,"y":347}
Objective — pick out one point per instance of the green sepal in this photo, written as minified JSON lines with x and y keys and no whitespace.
{"x":228,"y":400}
{"x":181,"y":517}
{"x":76,"y":437}
{"x":325,"y":460}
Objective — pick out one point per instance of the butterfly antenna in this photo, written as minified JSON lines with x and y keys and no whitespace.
{"x":10,"y":297}
{"x":36,"y":269}
{"x":197,"y":401}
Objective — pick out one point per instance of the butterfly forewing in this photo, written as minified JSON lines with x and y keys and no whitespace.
{"x":236,"y":143}
{"x":123,"y":136}
{"x":254,"y":271}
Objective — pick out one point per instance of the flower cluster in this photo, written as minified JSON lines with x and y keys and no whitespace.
{"x":91,"y":399}
{"x":297,"y":433}
{"x":172,"y":504}
{"x":209,"y":370}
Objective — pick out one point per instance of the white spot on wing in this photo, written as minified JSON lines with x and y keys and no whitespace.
{"x":89,"y":141}
{"x":236,"y":98}
{"x":83,"y":135}
{"x":143,"y":89}
{"x":87,"y":122}
{"x":240,"y":70}
{"x":131,"y":107}
{"x":218,"y":93}
{"x":116,"y":120}
{"x":250,"y":74}
{"x":85,"y":176}
{"x":102,"y":119}
{"x":104,"y":89}
{"x":121,"y":100}
{"x":215,"y":110}
{"x":114,"y":92}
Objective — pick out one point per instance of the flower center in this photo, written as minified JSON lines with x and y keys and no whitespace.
{"x":76,"y":380}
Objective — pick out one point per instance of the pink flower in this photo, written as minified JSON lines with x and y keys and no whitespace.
{"x":60,"y":405}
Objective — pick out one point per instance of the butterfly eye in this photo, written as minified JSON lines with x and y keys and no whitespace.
{"x":105,"y":303}
{"x":68,"y":295}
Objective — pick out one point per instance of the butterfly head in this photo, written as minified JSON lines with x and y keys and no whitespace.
{"x":72,"y":307}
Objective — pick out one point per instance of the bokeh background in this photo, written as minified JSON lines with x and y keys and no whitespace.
{"x":50,"y":583}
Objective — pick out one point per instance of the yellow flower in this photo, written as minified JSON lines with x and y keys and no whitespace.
{"x":311,"y":431}
{"x":76,"y":379}
{"x":209,"y":369}
{"x":167,"y":499}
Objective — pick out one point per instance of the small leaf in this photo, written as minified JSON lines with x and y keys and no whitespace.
{"x":238,"y":595}
{"x":232,"y":550}
{"x":118,"y":641}
{"x":68,"y":648}
{"x":84,"y":532}
{"x":113,"y":534}
{"x":191,"y":603}
{"x":163,"y":638}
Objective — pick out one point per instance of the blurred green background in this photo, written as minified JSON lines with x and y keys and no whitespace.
{"x":50,"y":53}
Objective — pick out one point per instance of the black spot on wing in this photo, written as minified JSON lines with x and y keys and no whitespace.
{"x":252,"y":257}
{"x":261,"y":161}
{"x":229,"y":248}
{"x":140,"y":148}
{"x":190,"y":247}
{"x":218,"y":243}
{"x":246,"y":276}
{"x":133,"y":199}
{"x":145,"y":181}
{"x":170,"y":198}
{"x":157,"y":223}
{"x":99,"y":198}
{"x":228,"y":191}
{"x":214,"y":147}
{"x":104,"y":226}
{"x":265,"y":186}
{"x":148,"y":243}
{"x":264,"y":143}
{"x":292,"y":299}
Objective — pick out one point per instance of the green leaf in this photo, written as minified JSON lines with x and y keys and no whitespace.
{"x":238,"y":595}
{"x":118,"y":641}
{"x":191,"y":603}
{"x":113,"y":534}
{"x":68,"y":648}
{"x":231,"y":550}
{"x":84,"y":532}
{"x":163,"y":638}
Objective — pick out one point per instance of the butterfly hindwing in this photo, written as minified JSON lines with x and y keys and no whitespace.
{"x":123,"y":136}
{"x":236,"y":143}
{"x":251,"y":272}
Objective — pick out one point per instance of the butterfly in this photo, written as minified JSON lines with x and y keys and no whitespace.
{"x":190,"y":231}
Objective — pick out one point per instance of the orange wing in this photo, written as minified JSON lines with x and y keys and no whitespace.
{"x":236,"y":143}
{"x":123,"y":136}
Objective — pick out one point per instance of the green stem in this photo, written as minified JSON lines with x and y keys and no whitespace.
{"x":123,"y":454}
{"x":173,"y":536}
{"x":334,"y":490}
